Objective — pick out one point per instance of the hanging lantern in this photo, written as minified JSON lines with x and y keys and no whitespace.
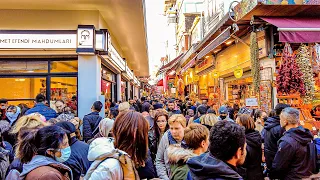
{"x":215,"y":74}
{"x":238,"y":72}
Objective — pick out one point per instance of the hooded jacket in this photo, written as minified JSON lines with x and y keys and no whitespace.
{"x":178,"y":157}
{"x":292,"y":160}
{"x":252,"y":165}
{"x":271,"y":134}
{"x":208,"y":167}
{"x":109,"y":169}
{"x":45,"y":168}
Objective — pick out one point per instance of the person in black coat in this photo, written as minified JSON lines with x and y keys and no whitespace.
{"x":271,"y":134}
{"x":91,"y":121}
{"x":294,"y":158}
{"x":251,"y":169}
{"x":78,"y":161}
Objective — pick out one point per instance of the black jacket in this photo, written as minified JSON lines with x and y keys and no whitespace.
{"x":153,"y":144}
{"x":78,"y":160}
{"x":148,"y":171}
{"x":252,"y":166}
{"x":292,"y":160}
{"x":90,"y":123}
{"x":206,"y":166}
{"x":272,"y":132}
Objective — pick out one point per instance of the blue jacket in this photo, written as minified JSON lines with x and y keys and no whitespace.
{"x":90,"y":123}
{"x":44,"y":110}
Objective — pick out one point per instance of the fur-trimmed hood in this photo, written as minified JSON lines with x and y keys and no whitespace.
{"x":179,"y":155}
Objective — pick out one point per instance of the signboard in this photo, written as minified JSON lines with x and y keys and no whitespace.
{"x":251,"y":102}
{"x":86,"y":39}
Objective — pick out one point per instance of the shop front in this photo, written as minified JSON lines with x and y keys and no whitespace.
{"x":108,"y":84}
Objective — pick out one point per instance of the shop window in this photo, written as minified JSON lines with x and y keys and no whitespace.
{"x":64,"y":66}
{"x":12,"y":67}
{"x":106,"y":89}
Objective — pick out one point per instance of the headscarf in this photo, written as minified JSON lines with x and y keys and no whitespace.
{"x":13,"y":117}
{"x":105,"y":127}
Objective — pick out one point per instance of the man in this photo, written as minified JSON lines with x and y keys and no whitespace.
{"x":145,"y":106}
{"x":91,"y":121}
{"x":173,"y":108}
{"x":60,"y":106}
{"x":3,"y":106}
{"x":227,"y":150}
{"x":134,"y":105}
{"x":202,"y":110}
{"x":293,"y":159}
{"x":271,"y":134}
{"x":224,"y":114}
{"x":205,"y":103}
{"x":41,"y":108}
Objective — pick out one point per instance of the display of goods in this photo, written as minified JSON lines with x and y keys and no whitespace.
{"x":316,"y":58}
{"x":303,"y":60}
{"x":255,"y":63}
{"x":289,"y":79}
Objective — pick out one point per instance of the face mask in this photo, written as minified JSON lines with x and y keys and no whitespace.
{"x":12,"y":116}
{"x":65,"y":154}
{"x":223,"y":117}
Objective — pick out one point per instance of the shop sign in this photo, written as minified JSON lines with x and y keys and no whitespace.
{"x":251,"y":102}
{"x":117,"y":59}
{"x":86,"y":39}
{"x":208,"y":62}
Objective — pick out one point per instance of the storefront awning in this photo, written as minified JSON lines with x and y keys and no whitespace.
{"x":207,"y":70}
{"x":170,"y":64}
{"x":189,"y":65}
{"x":296,"y":29}
{"x":221,"y":38}
{"x":160,"y":82}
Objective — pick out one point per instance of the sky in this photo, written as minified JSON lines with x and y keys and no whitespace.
{"x":156,"y":29}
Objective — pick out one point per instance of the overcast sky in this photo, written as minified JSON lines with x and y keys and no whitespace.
{"x":156,"y":29}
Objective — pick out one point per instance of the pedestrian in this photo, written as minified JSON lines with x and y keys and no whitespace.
{"x":113,"y":113}
{"x":60,"y":105}
{"x":3,"y":108}
{"x":227,"y":150}
{"x":66,"y":115}
{"x":145,"y":105}
{"x":42,"y":152}
{"x":260,"y":117}
{"x":251,"y":169}
{"x":208,"y":119}
{"x":77,"y":160}
{"x":105,"y":129}
{"x":77,"y":122}
{"x":293,"y":159}
{"x":129,"y":144}
{"x":156,"y":133}
{"x":91,"y":121}
{"x":197,"y":139}
{"x":173,"y":108}
{"x":124,"y":106}
{"x":201,"y":111}
{"x":41,"y":108}
{"x":177,"y":124}
{"x":271,"y":134}
{"x":189,"y":116}
{"x":224,"y":114}
{"x":12,"y":114}
{"x":134,"y":105}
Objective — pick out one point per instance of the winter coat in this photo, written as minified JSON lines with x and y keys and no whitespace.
{"x":272,"y":132}
{"x":252,"y":165}
{"x":177,"y":159}
{"x":44,"y":110}
{"x":149,"y":170}
{"x":90,"y":124}
{"x":206,"y":166}
{"x":78,"y":160}
{"x":162,"y":161}
{"x":292,"y":160}
{"x":109,"y":169}
{"x":153,"y":143}
{"x":45,"y":168}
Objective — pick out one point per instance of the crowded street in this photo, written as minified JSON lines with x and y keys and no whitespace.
{"x":160,"y":90}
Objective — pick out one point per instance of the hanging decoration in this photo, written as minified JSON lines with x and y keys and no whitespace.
{"x":238,"y":72}
{"x":316,"y":58}
{"x":255,"y":64}
{"x":303,"y":61}
{"x":289,"y":79}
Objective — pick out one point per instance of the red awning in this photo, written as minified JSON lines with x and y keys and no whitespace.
{"x":296,"y":29}
{"x":170,"y":64}
{"x":160,"y":82}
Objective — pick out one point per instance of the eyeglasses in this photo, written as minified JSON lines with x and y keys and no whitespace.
{"x":161,"y":121}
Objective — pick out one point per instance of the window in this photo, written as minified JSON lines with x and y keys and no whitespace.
{"x":23,"y":66}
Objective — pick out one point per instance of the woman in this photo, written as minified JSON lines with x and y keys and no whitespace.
{"x":130,"y":143}
{"x":42,"y":151}
{"x":251,"y":169}
{"x":155,"y":134}
{"x":105,"y":127}
{"x":12,"y":113}
{"x":259,"y":118}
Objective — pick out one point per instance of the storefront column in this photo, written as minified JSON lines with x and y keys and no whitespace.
{"x":118,"y":87}
{"x":89,"y":83}
{"x":128,"y":91}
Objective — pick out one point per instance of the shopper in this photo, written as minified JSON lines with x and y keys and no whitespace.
{"x":145,"y":105}
{"x":156,"y":133}
{"x":42,"y":151}
{"x":3,"y":108}
{"x":227,"y":150}
{"x":105,"y":129}
{"x":91,"y":121}
{"x":260,"y":117}
{"x":197,"y":140}
{"x":201,"y":111}
{"x":189,"y":116}
{"x":78,"y":160}
{"x":271,"y":134}
{"x":251,"y":169}
{"x":177,"y":124}
{"x":124,"y":106}
{"x":224,"y":114}
{"x":208,"y":119}
{"x":128,"y":142}
{"x":293,"y":159}
{"x":60,"y":105}
{"x":12,"y":114}
{"x":41,"y":108}
{"x":173,"y":108}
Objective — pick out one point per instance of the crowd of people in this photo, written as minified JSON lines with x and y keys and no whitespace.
{"x":154,"y":138}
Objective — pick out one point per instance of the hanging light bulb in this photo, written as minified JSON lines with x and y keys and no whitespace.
{"x":238,"y":72}
{"x":215,"y":74}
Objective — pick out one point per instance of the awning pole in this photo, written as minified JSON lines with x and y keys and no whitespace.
{"x":299,"y":29}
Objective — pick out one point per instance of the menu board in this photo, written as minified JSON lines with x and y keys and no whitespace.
{"x":266,"y":96}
